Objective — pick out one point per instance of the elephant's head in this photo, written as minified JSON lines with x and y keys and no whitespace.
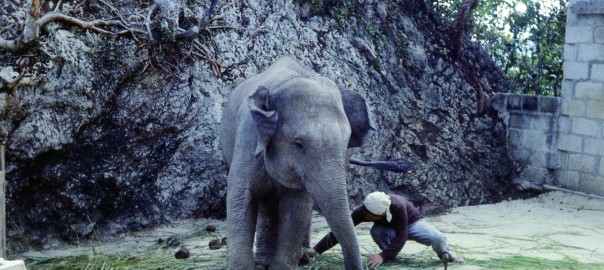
{"x":304,"y":129}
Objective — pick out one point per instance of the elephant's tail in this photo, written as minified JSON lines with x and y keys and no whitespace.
{"x":399,"y":165}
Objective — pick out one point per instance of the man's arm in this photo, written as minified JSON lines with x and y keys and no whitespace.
{"x":326,"y":243}
{"x":330,"y":240}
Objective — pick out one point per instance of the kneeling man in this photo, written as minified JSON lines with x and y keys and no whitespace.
{"x":395,"y":220}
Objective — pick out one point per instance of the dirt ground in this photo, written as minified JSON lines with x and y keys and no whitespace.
{"x":554,"y":226}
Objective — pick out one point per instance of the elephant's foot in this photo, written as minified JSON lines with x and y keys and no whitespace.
{"x":262,"y":262}
{"x":260,"y":266}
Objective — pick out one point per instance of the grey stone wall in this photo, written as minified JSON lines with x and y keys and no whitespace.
{"x":581,"y":144}
{"x":104,"y":141}
{"x":560,"y":141}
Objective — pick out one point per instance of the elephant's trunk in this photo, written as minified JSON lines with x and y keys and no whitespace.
{"x":331,"y":196}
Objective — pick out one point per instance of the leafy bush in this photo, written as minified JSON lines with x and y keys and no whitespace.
{"x":524,"y":37}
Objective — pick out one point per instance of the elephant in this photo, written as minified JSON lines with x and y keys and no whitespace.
{"x":286,"y":135}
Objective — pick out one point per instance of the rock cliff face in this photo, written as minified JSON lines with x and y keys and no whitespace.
{"x":102,"y":140}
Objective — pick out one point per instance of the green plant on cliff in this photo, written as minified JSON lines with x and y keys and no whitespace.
{"x":524,"y":37}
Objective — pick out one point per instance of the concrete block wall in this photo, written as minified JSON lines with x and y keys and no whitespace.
{"x":561,"y":140}
{"x":581,"y":122}
{"x":531,"y":135}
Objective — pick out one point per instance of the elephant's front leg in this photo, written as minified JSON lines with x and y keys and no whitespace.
{"x":294,"y":212}
{"x":266,"y":232}
{"x":242,"y":210}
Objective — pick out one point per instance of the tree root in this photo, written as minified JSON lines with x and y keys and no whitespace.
{"x":202,"y":24}
{"x":24,"y":41}
{"x":138,"y":26}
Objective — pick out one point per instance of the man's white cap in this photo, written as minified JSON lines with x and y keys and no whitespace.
{"x":378,"y":203}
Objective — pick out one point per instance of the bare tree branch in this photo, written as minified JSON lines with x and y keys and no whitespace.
{"x":194,"y":31}
{"x":152,"y":9}
{"x":33,"y":23}
{"x":90,"y":25}
{"x":10,"y":45}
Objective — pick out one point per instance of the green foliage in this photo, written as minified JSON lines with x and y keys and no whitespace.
{"x":524,"y":37}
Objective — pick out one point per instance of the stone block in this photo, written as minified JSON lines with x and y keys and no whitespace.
{"x":581,"y":163}
{"x":595,"y":109}
{"x":571,"y":143}
{"x":540,"y":159}
{"x":570,"y":52}
{"x":591,"y":184}
{"x":514,"y":102}
{"x":590,"y":52}
{"x":587,"y":7}
{"x":541,"y":123}
{"x":514,"y":137}
{"x":590,"y":20}
{"x":594,"y":146}
{"x":597,"y":72}
{"x":573,"y":107}
{"x":579,"y":34}
{"x":568,"y":179}
{"x":562,"y":158}
{"x":520,"y":121}
{"x":589,"y":90}
{"x":536,"y":141}
{"x":601,"y":171}
{"x":576,"y":70}
{"x":549,"y":104}
{"x":572,"y":20}
{"x":530,"y":103}
{"x":583,"y":126}
{"x":598,"y":36}
{"x":564,"y":124}
{"x":568,"y":87}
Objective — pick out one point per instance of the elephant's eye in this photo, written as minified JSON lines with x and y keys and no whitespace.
{"x":300,"y":146}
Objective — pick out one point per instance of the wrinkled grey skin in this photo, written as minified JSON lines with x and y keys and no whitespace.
{"x":286,"y":136}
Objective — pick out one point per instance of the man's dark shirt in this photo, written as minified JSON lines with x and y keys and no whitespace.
{"x":403,"y":214}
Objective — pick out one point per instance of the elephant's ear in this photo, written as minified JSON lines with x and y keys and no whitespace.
{"x":265,"y":119}
{"x":358,"y":117}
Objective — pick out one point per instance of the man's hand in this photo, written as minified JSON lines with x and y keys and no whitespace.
{"x":311,"y":252}
{"x":303,"y":259}
{"x":375,"y":260}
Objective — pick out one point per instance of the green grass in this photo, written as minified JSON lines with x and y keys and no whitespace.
{"x":160,"y":258}
{"x":156,"y":256}
{"x":427,"y":260}
{"x":523,"y":262}
{"x":163,"y":259}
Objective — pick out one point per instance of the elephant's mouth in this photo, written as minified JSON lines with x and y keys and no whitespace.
{"x":289,"y":179}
